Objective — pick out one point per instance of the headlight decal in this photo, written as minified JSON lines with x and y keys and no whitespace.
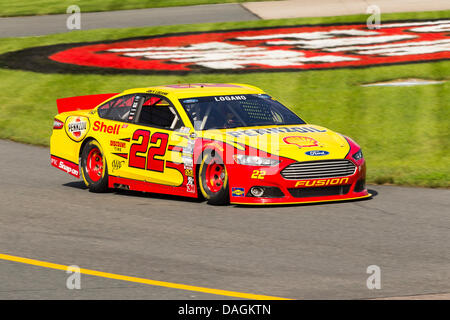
{"x":255,"y":160}
{"x":358,"y":155}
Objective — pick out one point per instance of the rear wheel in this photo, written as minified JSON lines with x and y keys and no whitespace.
{"x":213,"y":179}
{"x":93,"y":167}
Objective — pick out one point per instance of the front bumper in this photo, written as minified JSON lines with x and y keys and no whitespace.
{"x":284,"y":191}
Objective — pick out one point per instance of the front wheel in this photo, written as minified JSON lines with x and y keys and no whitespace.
{"x":93,"y":167}
{"x":213,"y":179}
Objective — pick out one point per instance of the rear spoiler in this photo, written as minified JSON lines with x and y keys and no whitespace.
{"x":82,"y":102}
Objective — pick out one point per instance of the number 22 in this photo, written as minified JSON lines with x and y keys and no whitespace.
{"x":258,"y":174}
{"x":148,"y":162}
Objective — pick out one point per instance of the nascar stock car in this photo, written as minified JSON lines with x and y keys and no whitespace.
{"x":228,"y":143}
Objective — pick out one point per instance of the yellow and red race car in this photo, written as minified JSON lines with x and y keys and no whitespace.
{"x":228,"y":143}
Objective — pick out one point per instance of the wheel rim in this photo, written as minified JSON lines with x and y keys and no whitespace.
{"x":215,"y":176}
{"x":94,"y":164}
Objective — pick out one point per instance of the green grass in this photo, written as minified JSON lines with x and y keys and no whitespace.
{"x":404,"y":131}
{"x":41,"y":7}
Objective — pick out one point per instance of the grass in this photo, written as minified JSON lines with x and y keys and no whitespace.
{"x":41,"y":7}
{"x":404,"y":131}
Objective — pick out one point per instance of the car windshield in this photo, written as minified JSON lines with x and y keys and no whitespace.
{"x":233,"y":111}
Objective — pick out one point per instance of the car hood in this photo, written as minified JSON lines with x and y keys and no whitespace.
{"x":298,"y":142}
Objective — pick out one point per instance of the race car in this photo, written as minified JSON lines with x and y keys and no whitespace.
{"x":226,"y":143}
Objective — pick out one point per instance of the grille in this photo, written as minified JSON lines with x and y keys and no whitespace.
{"x":318,"y":169}
{"x":319,"y":191}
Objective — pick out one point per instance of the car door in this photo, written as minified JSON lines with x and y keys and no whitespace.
{"x":154,"y":143}
{"x":112,"y":127}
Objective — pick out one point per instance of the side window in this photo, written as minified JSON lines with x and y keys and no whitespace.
{"x":104,"y":108}
{"x":159,"y":112}
{"x":117,"y":109}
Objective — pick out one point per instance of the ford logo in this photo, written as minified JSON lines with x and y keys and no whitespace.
{"x":317,"y":153}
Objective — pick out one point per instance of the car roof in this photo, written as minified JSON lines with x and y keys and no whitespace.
{"x":198,"y":89}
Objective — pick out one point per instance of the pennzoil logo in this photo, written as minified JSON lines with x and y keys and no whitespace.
{"x":301,"y":141}
{"x":77,"y":127}
{"x":292,"y":48}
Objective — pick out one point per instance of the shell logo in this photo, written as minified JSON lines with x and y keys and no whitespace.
{"x":301,"y":141}
{"x":77,"y":127}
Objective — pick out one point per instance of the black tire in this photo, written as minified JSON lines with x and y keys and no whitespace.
{"x":214,"y":193}
{"x":95,"y":180}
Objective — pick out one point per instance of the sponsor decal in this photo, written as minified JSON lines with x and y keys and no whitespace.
{"x":190,"y":101}
{"x":301,"y":142}
{"x":134,"y":107}
{"x":117,"y":145}
{"x":102,"y":127}
{"x":292,"y":48}
{"x":190,"y":184}
{"x":187,"y":154}
{"x":189,"y":172}
{"x":187,"y":157}
{"x":66,"y":166}
{"x":230,"y":98}
{"x":321,"y":182}
{"x":77,"y":127}
{"x":190,"y":188}
{"x":257,"y":132}
{"x":317,"y":153}
{"x":157,"y":92}
{"x":117,"y":164}
{"x":68,"y":169}
{"x":237,"y":192}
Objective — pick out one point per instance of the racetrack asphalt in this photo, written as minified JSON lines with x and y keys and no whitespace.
{"x":50,"y":24}
{"x":303,"y":252}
